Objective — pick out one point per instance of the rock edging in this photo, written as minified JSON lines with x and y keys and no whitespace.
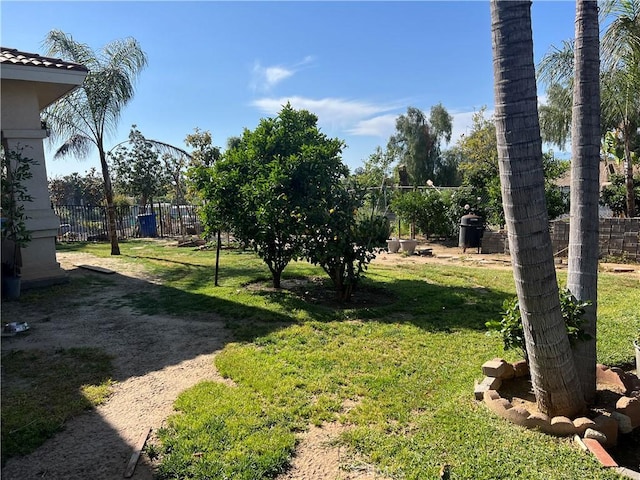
{"x":605,"y":425}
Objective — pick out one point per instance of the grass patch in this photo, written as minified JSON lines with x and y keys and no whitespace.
{"x":399,"y":373}
{"x":42,"y":390}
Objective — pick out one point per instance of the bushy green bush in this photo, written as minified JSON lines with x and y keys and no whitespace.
{"x":614,"y":195}
{"x":510,"y":324}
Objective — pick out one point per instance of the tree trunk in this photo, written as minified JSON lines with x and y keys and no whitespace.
{"x":582,"y":279}
{"x":111,"y":209}
{"x":553,"y":374}
{"x":276,"y":276}
{"x":628,"y":173}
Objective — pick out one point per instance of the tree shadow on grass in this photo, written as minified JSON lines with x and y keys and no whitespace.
{"x":149,"y":326}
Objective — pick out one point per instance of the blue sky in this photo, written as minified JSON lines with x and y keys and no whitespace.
{"x":221,"y":66}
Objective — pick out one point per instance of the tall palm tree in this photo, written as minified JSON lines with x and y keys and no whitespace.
{"x":553,"y":374}
{"x":619,"y":80}
{"x":582,"y":279}
{"x":87,"y":117}
{"x":621,"y":51}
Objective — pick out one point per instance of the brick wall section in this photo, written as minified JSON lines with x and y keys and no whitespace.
{"x":619,"y":237}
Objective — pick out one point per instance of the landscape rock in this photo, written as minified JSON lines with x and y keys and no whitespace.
{"x":493,"y":383}
{"x":624,"y":422}
{"x":611,"y":378}
{"x":517,"y":415}
{"x":539,"y":420}
{"x":630,"y":406}
{"x":582,"y":423}
{"x":494,"y":368}
{"x":479,"y":390}
{"x":562,"y":426}
{"x":521,"y":369}
{"x":595,"y":435}
{"x":609,"y":427}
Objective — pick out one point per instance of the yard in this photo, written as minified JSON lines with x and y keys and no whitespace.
{"x":244,"y":382}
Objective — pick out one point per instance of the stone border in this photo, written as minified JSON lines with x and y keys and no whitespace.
{"x":604,"y":427}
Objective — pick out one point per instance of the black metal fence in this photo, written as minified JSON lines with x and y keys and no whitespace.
{"x":81,"y":223}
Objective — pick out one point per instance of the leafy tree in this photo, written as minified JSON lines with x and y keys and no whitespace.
{"x":416,"y":143}
{"x":409,"y":207}
{"x":88,"y":115}
{"x":614,"y":195}
{"x":76,"y":189}
{"x":478,"y":164}
{"x":376,"y":171}
{"x":621,"y":53}
{"x":376,"y":176}
{"x":204,"y":152}
{"x":271,"y":188}
{"x":554,"y":377}
{"x":342,"y":241}
{"x":139,"y":170}
{"x":449,"y":174}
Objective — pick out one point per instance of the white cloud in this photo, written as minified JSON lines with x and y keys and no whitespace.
{"x":264,"y":78}
{"x":274,"y":75}
{"x":462,"y":123}
{"x":381,"y":126}
{"x":350,"y":116}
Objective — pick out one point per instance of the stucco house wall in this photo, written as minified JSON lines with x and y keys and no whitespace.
{"x":30,"y":83}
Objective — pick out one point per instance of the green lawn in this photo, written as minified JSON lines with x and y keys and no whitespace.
{"x":405,"y":364}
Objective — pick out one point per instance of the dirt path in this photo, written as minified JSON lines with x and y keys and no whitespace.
{"x":155,"y":358}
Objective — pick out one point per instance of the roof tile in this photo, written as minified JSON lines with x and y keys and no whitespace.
{"x":16,"y":57}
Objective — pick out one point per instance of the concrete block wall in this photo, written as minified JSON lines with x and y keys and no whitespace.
{"x":619,"y":237}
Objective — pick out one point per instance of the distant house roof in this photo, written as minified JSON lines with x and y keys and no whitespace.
{"x":16,"y":57}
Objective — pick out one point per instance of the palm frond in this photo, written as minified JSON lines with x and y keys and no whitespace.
{"x":76,"y":145}
{"x":59,"y":44}
{"x":556,"y":67}
{"x":93,"y":111}
{"x":621,"y":39}
{"x":168,"y":149}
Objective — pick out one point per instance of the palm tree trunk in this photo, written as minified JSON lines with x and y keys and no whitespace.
{"x":582,"y":279}
{"x":553,"y":374}
{"x":111,"y":209}
{"x":628,"y":173}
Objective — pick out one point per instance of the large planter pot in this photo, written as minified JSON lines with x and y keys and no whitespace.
{"x":393,"y":245}
{"x":636,"y":345}
{"x":408,"y":246}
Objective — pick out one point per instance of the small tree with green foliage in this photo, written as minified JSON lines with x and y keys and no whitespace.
{"x":269,"y":188}
{"x":614,"y":195}
{"x":343,"y":241}
{"x":15,"y":171}
{"x":139,"y":170}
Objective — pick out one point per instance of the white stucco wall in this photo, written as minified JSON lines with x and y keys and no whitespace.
{"x":21,"y":129}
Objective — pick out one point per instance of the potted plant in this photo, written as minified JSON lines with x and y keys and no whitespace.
{"x":16,"y":170}
{"x":408,"y":206}
{"x":393,"y":245}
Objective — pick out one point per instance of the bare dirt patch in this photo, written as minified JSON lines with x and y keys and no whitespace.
{"x":155,"y":358}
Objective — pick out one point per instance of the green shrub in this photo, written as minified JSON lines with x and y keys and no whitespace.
{"x":510,"y":324}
